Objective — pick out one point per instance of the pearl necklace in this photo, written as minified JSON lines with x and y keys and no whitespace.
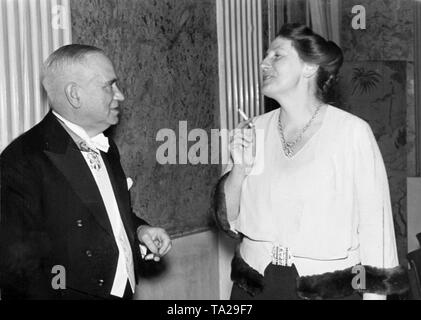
{"x":288,"y":147}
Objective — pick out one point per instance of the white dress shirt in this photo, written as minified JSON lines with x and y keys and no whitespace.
{"x":329,"y":203}
{"x":125,"y":268}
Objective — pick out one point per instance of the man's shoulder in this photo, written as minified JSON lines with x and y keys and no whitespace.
{"x":26,"y":145}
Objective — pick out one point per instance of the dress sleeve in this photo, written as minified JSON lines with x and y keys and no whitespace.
{"x":375,"y":220}
{"x":218,"y":206}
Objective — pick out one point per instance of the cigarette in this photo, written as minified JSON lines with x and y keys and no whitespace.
{"x":244,"y":116}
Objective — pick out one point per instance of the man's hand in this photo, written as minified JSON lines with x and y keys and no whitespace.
{"x":156,"y":240}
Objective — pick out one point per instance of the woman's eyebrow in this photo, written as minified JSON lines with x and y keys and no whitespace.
{"x":274,"y":49}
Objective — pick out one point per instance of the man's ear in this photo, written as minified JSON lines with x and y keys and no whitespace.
{"x":71,"y":91}
{"x":310,"y":70}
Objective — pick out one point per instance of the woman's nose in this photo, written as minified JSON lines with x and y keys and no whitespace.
{"x":264,"y":65}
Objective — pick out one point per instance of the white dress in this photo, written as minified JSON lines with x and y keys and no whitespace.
{"x":329,"y":203}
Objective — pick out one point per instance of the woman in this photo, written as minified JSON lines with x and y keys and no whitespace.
{"x":317,"y":209}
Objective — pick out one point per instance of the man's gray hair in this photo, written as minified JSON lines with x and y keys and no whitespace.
{"x":63,"y":57}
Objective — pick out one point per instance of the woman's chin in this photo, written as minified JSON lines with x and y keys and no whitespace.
{"x":269,"y":91}
{"x":275,"y":90}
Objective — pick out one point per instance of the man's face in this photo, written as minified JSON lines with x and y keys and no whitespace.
{"x":99,"y":94}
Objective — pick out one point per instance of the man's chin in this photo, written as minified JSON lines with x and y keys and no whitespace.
{"x":114,"y":119}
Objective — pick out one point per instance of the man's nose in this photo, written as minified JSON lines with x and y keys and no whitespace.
{"x":118,"y":95}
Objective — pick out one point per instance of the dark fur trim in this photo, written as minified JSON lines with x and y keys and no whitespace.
{"x":219,"y":208}
{"x":330,"y":285}
{"x":245,"y":276}
{"x":338,"y":284}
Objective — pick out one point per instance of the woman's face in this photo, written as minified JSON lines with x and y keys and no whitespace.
{"x":282,"y":68}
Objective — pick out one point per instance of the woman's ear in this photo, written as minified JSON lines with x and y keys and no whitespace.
{"x":71,"y":91}
{"x":310,"y":70}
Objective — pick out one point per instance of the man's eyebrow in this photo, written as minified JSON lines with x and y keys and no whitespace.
{"x":112,"y":81}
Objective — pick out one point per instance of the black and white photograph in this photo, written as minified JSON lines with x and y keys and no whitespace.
{"x":207,"y":152}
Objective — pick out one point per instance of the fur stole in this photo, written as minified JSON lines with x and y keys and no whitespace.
{"x":330,"y":285}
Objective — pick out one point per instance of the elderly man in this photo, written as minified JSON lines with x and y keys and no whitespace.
{"x":67,"y":230}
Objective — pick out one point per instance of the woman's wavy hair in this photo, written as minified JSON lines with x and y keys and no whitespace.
{"x":313,"y":48}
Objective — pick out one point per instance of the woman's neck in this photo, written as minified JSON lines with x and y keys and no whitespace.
{"x":297,"y":109}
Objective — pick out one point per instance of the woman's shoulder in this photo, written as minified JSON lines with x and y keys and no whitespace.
{"x":346,"y":120}
{"x":340,"y":120}
{"x":263,"y":119}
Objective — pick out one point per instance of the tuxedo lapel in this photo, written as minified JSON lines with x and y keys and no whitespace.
{"x":66,"y":157}
{"x":119,"y":184}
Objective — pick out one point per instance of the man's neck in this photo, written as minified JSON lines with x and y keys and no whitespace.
{"x":77,"y":128}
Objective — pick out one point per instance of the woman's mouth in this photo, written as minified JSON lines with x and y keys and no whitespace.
{"x":267,"y":77}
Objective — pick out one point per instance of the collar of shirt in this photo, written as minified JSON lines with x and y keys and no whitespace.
{"x":99,"y":142}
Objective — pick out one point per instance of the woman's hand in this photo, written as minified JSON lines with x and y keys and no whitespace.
{"x":243,"y":147}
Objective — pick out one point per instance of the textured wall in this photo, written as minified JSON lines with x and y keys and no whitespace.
{"x":389,"y":34}
{"x":377,"y":85}
{"x":165,"y":53}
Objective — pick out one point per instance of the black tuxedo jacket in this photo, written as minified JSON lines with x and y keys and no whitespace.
{"x":52,"y":214}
